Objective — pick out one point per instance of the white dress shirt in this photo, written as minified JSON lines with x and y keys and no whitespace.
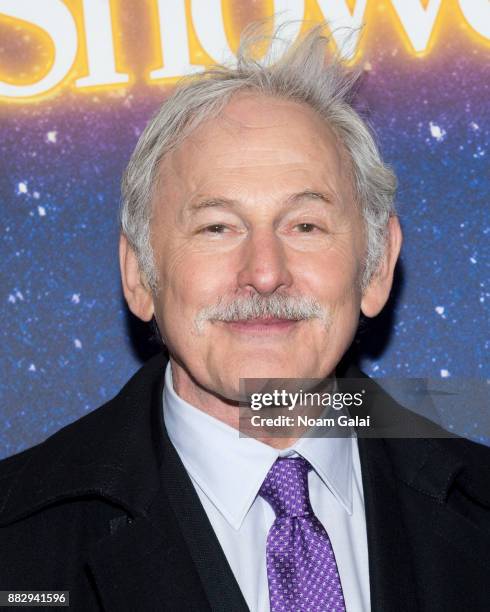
{"x":227,"y":472}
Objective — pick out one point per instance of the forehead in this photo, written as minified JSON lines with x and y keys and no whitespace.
{"x":256,"y":137}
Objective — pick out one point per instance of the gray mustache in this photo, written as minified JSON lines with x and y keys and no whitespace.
{"x":261,"y":306}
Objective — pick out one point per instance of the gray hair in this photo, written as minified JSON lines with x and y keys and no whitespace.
{"x":301,"y":75}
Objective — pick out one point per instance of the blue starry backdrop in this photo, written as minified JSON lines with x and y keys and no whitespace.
{"x":68,"y":342}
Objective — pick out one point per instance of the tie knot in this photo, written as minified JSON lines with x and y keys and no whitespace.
{"x":286,"y":487}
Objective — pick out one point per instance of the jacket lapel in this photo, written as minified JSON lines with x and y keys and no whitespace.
{"x":220,"y":586}
{"x":145,"y":565}
{"x":390,"y":568}
{"x":169,"y":557}
{"x":391,"y":573}
{"x":161,"y":562}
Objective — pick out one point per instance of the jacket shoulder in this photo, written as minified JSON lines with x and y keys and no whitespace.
{"x":435,"y":466}
{"x":90,"y":455}
{"x":431,"y":459}
{"x":11,"y":466}
{"x":16,"y":470}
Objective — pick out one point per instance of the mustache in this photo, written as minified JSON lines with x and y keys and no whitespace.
{"x":256,"y":306}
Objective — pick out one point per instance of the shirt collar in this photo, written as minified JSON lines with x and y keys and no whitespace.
{"x":230,"y":469}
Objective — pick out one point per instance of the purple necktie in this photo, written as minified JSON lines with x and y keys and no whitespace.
{"x":301,"y":567}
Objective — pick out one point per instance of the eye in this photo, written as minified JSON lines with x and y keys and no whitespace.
{"x":216,"y":228}
{"x":306,"y":228}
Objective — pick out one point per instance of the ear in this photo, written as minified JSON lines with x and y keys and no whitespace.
{"x":136,"y":291}
{"x":376,"y":294}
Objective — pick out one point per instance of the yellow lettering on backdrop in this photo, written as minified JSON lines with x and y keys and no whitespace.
{"x":188,"y":35}
{"x":100,"y":46}
{"x":56,"y":20}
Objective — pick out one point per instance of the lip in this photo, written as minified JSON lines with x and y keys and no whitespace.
{"x":263,"y":326}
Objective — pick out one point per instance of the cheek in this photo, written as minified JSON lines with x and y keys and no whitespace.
{"x":189,"y":282}
{"x":335,"y":278}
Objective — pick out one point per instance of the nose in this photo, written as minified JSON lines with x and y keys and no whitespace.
{"x":264,"y":266}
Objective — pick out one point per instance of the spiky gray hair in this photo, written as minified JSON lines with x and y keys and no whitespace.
{"x":302,"y":74}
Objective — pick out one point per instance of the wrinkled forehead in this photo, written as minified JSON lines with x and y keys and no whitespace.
{"x":254,"y":135}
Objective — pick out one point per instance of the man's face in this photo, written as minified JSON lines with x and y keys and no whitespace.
{"x":256,"y":204}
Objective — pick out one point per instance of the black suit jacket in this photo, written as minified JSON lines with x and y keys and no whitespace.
{"x":104,"y":508}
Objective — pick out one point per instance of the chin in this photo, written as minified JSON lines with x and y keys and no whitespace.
{"x":272,"y":369}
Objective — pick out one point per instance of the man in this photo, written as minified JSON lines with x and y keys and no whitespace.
{"x":257,"y":223}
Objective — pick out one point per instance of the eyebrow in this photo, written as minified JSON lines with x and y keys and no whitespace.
{"x":295,"y":198}
{"x":312,"y":195}
{"x":212,"y":202}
